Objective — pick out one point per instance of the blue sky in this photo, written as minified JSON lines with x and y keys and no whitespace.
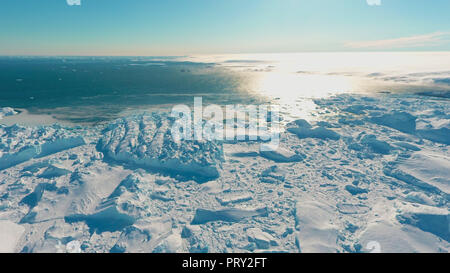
{"x":181,"y":27}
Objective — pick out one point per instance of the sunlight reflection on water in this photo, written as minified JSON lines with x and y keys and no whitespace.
{"x":90,"y":90}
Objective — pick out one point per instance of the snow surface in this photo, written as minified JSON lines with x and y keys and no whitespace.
{"x":360,"y":174}
{"x":10,"y":234}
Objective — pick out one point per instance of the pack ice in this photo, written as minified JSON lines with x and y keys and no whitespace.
{"x":360,"y":174}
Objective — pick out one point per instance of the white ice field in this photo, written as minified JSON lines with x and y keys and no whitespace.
{"x":361,"y":174}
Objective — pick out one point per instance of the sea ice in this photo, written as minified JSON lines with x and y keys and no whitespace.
{"x":305,"y":130}
{"x":146,"y":141}
{"x":20,"y":144}
{"x":316,"y":231}
{"x":420,"y":198}
{"x":431,"y":168}
{"x":53,"y":171}
{"x":7,"y":111}
{"x":384,"y":183}
{"x":203,"y":216}
{"x":355,"y":190}
{"x":279,"y":154}
{"x":441,"y":135}
{"x":437,"y":224}
{"x":394,"y":238}
{"x":375,"y":145}
{"x":262,"y":239}
{"x":106,"y":219}
{"x":402,"y":121}
{"x":10,"y":234}
{"x":234,"y":198}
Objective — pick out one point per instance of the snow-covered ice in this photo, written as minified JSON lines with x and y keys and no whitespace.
{"x":7,"y":111}
{"x":360,"y":174}
{"x":10,"y":234}
{"x":20,"y":144}
{"x":146,"y":141}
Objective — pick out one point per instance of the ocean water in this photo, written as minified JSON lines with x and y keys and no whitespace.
{"x":97,"y":89}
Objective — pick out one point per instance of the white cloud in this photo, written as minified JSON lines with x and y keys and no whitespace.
{"x":432,"y":39}
{"x":374,"y":2}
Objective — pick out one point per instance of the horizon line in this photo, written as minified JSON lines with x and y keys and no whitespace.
{"x":244,"y":53}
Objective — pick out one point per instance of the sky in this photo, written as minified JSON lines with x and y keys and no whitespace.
{"x":183,"y":27}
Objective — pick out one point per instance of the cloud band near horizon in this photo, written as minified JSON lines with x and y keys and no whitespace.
{"x":431,"y":39}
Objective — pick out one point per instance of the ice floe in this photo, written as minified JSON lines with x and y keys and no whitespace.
{"x":262,"y":239}
{"x":203,"y":216}
{"x":146,"y":141}
{"x":402,"y":121}
{"x":20,"y":144}
{"x":279,"y":154}
{"x":306,"y":131}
